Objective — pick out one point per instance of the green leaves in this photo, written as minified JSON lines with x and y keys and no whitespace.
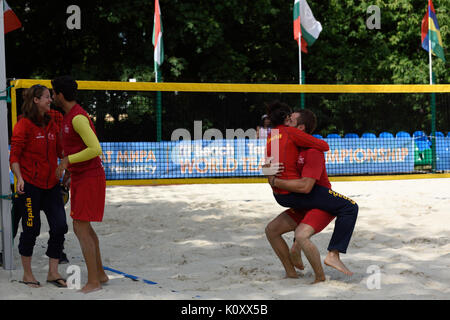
{"x":231,"y":41}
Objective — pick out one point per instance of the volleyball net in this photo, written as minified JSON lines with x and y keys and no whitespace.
{"x":163,"y":133}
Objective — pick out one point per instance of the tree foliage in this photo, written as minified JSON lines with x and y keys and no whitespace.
{"x":244,"y":41}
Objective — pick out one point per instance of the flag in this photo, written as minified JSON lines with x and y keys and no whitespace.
{"x":430,"y":30}
{"x":11,"y":22}
{"x":304,"y":20}
{"x":157,"y":37}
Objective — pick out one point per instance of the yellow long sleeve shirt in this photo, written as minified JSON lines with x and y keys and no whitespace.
{"x":93,"y":149}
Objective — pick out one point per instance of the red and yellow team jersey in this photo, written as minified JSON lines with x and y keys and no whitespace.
{"x":73,"y":143}
{"x":283,"y":145}
{"x":87,"y":189}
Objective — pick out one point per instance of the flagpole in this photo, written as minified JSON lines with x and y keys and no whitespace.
{"x":300,"y":76}
{"x":158,"y":106}
{"x":433,"y":98}
{"x":300,"y":55}
{"x":429,"y":45}
{"x":5,"y":213}
{"x":157,"y":57}
{"x":429,"y":55}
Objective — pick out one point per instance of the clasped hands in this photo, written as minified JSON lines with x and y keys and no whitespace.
{"x":272,"y":169}
{"x":61,"y":169}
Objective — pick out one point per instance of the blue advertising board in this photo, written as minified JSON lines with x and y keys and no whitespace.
{"x":244,"y":158}
{"x":370,"y":156}
{"x":183,"y":159}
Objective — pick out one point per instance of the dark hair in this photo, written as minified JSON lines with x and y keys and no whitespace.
{"x":307,"y":118}
{"x":67,"y":86}
{"x":29,"y":108}
{"x":277,"y":112}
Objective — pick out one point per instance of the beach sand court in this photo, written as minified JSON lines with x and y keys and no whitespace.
{"x":208,"y":242}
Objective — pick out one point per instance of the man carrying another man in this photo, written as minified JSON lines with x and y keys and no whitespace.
{"x":307,"y":195}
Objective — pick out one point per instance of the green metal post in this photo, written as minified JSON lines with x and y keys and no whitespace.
{"x":302,"y":95}
{"x":158,"y":116}
{"x":158,"y":107}
{"x":433,"y":127}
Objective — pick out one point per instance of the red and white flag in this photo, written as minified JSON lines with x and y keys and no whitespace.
{"x":157,"y":36}
{"x":11,"y":22}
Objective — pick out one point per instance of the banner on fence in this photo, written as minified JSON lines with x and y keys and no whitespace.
{"x":243,"y":157}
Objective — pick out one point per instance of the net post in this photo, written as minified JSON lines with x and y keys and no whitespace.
{"x":13,"y":105}
{"x":433,"y":128}
{"x":302,"y":95}
{"x":433,"y":131}
{"x":158,"y":116}
{"x":5,"y":213}
{"x":158,"y":106}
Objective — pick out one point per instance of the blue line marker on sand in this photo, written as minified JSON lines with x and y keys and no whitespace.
{"x":136,"y":278}
{"x":130,"y":276}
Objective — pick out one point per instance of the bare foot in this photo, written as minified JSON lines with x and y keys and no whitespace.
{"x":103,"y":278}
{"x":333,"y":260}
{"x":319,"y":279}
{"x":56,"y":276}
{"x":59,"y":282}
{"x":292,"y":275}
{"x":296,"y":258}
{"x":31,"y":284}
{"x":30,"y":281}
{"x":89,"y":287}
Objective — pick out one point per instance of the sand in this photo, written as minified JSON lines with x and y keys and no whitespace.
{"x":208,"y":242}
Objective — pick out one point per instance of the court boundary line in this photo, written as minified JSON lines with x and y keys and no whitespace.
{"x":159,"y":182}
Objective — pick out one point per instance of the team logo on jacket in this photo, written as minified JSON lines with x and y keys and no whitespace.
{"x":66,"y":128}
{"x":301,"y":160}
{"x":51,"y":136}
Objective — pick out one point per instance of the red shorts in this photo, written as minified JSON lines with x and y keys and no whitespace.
{"x":87,"y":197}
{"x":317,"y":219}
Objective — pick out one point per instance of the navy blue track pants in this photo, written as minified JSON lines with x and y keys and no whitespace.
{"x":28,"y":206}
{"x":345,"y":210}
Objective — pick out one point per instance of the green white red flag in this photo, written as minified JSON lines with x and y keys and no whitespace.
{"x":305,"y":25}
